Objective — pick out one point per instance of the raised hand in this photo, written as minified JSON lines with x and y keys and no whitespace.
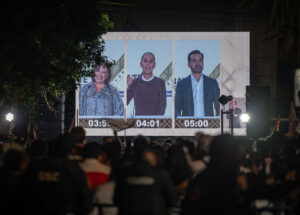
{"x":129,"y":80}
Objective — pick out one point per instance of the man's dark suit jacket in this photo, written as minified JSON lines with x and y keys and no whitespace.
{"x":184,"y":102}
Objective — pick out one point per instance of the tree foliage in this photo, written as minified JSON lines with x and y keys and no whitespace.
{"x":46,"y":46}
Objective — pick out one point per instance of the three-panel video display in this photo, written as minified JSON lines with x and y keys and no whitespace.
{"x":167,"y":83}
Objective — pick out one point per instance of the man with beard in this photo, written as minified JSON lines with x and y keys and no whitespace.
{"x":197,"y":95}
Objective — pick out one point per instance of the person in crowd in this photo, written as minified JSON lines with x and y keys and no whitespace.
{"x":167,"y":144}
{"x":135,"y":148}
{"x":15,"y":163}
{"x":144,"y":189}
{"x":104,"y":198}
{"x":177,"y":165}
{"x":100,"y":97}
{"x":80,"y":137}
{"x":97,"y":172}
{"x":197,"y":95}
{"x":79,"y":134}
{"x":58,"y":185}
{"x":149,"y":180}
{"x":147,"y":90}
{"x":159,"y":154}
{"x":215,"y":190}
{"x":39,"y":150}
{"x":112,"y":152}
{"x":196,"y":153}
{"x":104,"y":193}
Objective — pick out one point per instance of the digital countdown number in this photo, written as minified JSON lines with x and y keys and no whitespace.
{"x":139,"y":123}
{"x":147,"y":123}
{"x":95,"y":123}
{"x":197,"y":123}
{"x":153,"y":123}
{"x":156,"y":123}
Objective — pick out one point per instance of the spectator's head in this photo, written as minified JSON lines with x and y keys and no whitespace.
{"x":224,"y":151}
{"x":39,"y":149}
{"x":112,"y":151}
{"x":107,"y":140}
{"x":147,"y":63}
{"x":190,"y":146}
{"x":202,"y":144}
{"x":169,"y":141}
{"x":102,"y":74}
{"x":159,"y":153}
{"x":15,"y":161}
{"x":140,"y":143}
{"x":175,"y":161}
{"x":136,"y":147}
{"x":64,"y":145}
{"x":79,"y":134}
{"x":149,"y":156}
{"x":92,"y":150}
{"x":167,"y":144}
{"x":195,"y":61}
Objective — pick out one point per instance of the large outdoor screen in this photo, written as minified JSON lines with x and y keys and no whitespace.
{"x":166,"y":84}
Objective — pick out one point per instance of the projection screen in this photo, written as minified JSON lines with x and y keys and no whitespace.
{"x":167,"y":84}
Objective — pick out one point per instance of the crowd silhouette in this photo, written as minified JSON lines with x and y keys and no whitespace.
{"x":199,"y":175}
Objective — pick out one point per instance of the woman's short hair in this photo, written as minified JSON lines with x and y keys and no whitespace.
{"x":107,"y":80}
{"x":150,"y":53}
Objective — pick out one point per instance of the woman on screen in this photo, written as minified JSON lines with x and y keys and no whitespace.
{"x":147,"y":90}
{"x":99,"y":97}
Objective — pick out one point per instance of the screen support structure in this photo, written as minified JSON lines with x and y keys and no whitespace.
{"x":230,"y":112}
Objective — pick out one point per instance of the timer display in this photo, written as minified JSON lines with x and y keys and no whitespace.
{"x":96,"y":123}
{"x":147,"y":123}
{"x":197,"y":123}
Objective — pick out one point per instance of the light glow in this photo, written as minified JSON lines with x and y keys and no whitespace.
{"x":245,"y":117}
{"x":9,"y":117}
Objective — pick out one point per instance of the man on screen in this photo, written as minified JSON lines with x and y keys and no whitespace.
{"x":147,"y":90}
{"x":197,"y":95}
